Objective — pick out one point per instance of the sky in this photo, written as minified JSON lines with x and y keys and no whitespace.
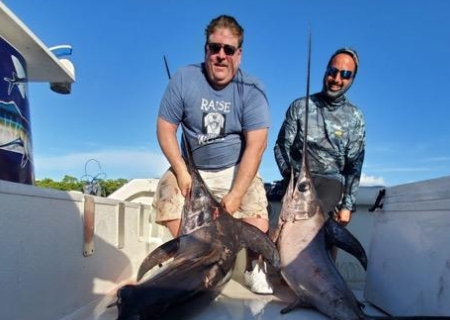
{"x":402,"y":86}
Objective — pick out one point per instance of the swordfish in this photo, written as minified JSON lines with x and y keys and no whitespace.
{"x":203,"y":258}
{"x":303,"y":237}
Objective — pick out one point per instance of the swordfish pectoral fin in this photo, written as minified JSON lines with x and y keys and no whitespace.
{"x":257,"y":241}
{"x":275,"y":233}
{"x":161,"y":254}
{"x":339,"y":236}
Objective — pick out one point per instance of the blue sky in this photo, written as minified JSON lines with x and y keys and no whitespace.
{"x":403,"y":83}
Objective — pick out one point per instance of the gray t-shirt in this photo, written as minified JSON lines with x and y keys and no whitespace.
{"x":214,"y":120}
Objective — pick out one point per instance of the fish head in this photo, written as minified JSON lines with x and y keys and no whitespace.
{"x":200,"y":206}
{"x":300,"y":202}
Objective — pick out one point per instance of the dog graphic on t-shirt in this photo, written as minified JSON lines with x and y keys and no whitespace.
{"x":214,"y":123}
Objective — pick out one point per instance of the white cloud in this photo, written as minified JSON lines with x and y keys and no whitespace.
{"x":371,"y":180}
{"x":114,"y":163}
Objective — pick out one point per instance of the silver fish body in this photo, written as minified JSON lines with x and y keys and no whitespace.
{"x":306,"y":265}
{"x":304,"y":236}
{"x":303,"y":243}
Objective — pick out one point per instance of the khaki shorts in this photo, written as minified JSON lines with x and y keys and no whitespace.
{"x":168,"y":201}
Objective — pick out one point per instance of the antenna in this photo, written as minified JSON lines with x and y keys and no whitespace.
{"x":91,"y":184}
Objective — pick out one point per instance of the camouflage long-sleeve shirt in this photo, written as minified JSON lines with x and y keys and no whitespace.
{"x":336,"y":142}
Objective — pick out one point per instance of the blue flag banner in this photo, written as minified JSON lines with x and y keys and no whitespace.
{"x":16,"y":155}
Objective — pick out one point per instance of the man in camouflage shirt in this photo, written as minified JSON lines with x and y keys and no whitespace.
{"x":336,"y":138}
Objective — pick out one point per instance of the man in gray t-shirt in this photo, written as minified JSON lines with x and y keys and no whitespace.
{"x":225,"y":115}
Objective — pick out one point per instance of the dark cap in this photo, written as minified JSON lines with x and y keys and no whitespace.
{"x":351,"y":52}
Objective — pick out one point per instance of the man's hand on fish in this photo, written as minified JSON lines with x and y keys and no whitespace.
{"x":184,"y":180}
{"x":231,"y":203}
{"x":343,"y":216}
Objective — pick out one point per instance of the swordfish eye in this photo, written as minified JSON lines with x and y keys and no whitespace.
{"x":304,"y":186}
{"x":198,"y":193}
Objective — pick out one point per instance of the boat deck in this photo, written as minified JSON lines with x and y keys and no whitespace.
{"x":235,"y":302}
{"x":44,"y":240}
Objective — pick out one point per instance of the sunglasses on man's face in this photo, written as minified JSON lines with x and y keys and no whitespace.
{"x":214,"y":48}
{"x":345,"y":74}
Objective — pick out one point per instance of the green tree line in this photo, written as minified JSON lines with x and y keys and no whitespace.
{"x":98,"y":187}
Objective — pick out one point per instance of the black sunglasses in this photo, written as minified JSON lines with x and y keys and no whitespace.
{"x":214,"y":48}
{"x":345,"y":74}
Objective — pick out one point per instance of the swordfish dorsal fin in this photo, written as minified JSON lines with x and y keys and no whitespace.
{"x":158,"y":256}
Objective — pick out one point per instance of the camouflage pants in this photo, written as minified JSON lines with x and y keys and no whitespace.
{"x":168,"y":201}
